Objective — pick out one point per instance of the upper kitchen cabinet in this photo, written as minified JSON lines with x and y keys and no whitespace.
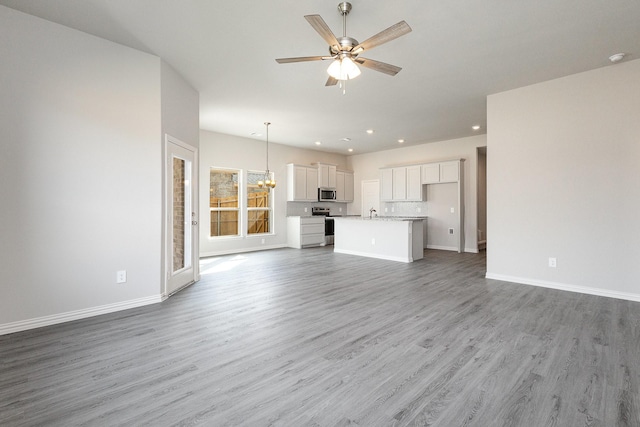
{"x":434,"y":173}
{"x":327,"y":175}
{"x":344,"y":186}
{"x":414,"y":184}
{"x":302,"y":183}
{"x":401,"y":184}
{"x":386,"y":185}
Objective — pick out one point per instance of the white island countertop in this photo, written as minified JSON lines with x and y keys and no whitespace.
{"x":384,"y":218}
{"x":392,"y":238}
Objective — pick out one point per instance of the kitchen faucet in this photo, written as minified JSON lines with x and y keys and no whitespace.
{"x":371,"y":211}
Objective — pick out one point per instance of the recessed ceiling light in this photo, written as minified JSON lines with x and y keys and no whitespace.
{"x":345,"y":139}
{"x":318,"y":143}
{"x":350,"y":150}
{"x":475,"y":127}
{"x":370,"y":131}
{"x":617,"y":57}
{"x":400,"y":141}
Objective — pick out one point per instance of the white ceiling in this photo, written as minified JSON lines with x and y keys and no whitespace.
{"x":459,"y":52}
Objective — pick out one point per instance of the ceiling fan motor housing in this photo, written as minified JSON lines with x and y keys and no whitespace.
{"x":346,"y":45}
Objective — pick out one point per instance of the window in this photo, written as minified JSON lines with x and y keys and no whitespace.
{"x":224,"y":206}
{"x":259,"y":202}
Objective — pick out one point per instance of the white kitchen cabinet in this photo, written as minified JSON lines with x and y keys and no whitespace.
{"x":414,"y":183}
{"x":312,"y":184}
{"x":344,"y":186}
{"x":305,"y":231}
{"x":349,"y":186}
{"x":302,"y":183}
{"x":402,"y":183}
{"x":434,"y":173}
{"x":327,"y":175}
{"x":386,"y":185}
{"x":449,"y":171}
{"x":399,"y":183}
{"x":431,"y":173}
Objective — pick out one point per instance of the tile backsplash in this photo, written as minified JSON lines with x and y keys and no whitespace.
{"x":403,"y":209}
{"x":298,"y":208}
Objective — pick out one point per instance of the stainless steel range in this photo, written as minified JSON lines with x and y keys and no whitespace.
{"x":328,"y":223}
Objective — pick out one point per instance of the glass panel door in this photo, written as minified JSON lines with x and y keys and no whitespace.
{"x":182,"y":219}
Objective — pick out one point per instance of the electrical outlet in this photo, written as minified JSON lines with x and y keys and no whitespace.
{"x":386,"y":209}
{"x":121,"y":276}
{"x":553,"y":262}
{"x":451,"y":231}
{"x":373,"y":240}
{"x":339,"y":209}
{"x":419,"y":210}
{"x":306,"y":210}
{"x":263,"y":241}
{"x":453,"y":210}
{"x":393,"y":209}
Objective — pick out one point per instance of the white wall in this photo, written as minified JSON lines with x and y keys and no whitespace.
{"x":180,"y":107}
{"x":80,"y":174}
{"x":226,"y":151}
{"x":563,"y":182}
{"x":366,"y":167}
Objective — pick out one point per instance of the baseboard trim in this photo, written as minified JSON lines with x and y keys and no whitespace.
{"x":242,"y":250}
{"x":565,"y":287}
{"x":451,"y":248}
{"x":369,"y":255}
{"x":39,"y":322}
{"x":443,"y":248}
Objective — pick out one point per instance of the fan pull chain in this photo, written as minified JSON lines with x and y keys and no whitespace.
{"x":343,"y":86}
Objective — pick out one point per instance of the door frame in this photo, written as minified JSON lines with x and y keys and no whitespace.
{"x":365,"y":211}
{"x":168,"y":217}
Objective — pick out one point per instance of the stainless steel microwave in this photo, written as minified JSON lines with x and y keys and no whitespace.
{"x":326,"y":194}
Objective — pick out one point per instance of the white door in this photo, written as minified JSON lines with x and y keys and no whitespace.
{"x":370,"y":197}
{"x":181,"y":215}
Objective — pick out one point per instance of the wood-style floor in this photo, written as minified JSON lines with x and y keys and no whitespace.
{"x":311,"y":338}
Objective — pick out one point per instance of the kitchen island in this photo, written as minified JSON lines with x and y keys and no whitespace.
{"x":390,"y":238}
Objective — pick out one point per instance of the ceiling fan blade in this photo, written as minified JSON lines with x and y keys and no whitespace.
{"x":322,"y":28}
{"x":300,"y":59}
{"x":331,"y":81}
{"x":382,"y":67}
{"x":391,"y":33}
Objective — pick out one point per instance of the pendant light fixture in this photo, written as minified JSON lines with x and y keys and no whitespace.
{"x":268,"y":183}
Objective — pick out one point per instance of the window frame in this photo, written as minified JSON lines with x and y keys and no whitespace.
{"x":269,"y":209}
{"x":238,"y":209}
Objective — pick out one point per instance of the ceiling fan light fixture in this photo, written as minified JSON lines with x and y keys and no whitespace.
{"x":343,"y":69}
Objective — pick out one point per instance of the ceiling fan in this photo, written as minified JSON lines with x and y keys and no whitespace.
{"x":344,"y":51}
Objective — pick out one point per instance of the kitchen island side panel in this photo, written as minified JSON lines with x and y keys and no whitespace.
{"x":394,"y":240}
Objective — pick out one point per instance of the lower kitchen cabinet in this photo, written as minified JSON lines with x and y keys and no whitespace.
{"x":305,"y":231}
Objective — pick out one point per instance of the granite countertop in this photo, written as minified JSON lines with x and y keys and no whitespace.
{"x":385,"y":218}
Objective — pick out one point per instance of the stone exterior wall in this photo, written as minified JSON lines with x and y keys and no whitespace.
{"x":178,"y":214}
